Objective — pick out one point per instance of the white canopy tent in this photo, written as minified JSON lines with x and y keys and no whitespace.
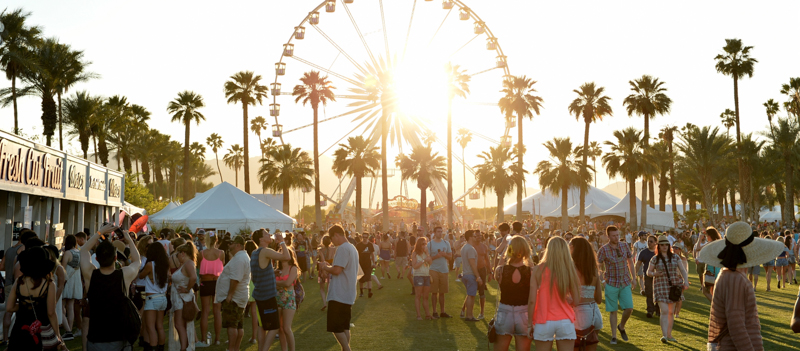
{"x":130,"y":209}
{"x":273,"y":200}
{"x":225,"y":207}
{"x":767,"y":215}
{"x":171,"y":205}
{"x":544,"y":202}
{"x":655,"y":218}
{"x":574,"y":211}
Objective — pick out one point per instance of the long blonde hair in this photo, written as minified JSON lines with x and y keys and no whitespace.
{"x":518,"y":249}
{"x":562,"y":270}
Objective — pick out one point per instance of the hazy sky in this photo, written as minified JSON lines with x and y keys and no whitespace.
{"x":151,"y":50}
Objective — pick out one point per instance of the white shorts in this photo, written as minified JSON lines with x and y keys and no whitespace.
{"x":554,"y":330}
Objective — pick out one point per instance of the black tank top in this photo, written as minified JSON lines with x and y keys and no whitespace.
{"x":515,"y":294}
{"x":105,"y":296}
{"x":402,"y":248}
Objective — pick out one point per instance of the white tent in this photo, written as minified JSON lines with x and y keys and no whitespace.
{"x":767,"y":215}
{"x":130,"y":209}
{"x":225,"y":207}
{"x":655,"y":218}
{"x":171,"y":205}
{"x":273,"y":200}
{"x":545,"y":202}
{"x":574,"y":211}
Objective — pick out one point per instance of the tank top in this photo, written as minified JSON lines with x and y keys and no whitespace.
{"x":587,"y":291}
{"x":105,"y":294}
{"x":211,"y":267}
{"x":263,"y":278}
{"x":424,"y":269}
{"x":150,"y":284}
{"x":515,"y":294}
{"x":75,"y":262}
{"x":549,"y":305}
{"x":402,"y":248}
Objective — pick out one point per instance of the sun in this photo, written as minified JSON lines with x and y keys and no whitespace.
{"x":422,"y":89}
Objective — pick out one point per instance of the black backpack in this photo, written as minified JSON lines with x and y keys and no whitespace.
{"x":131,"y":321}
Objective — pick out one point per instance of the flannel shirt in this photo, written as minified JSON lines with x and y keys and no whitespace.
{"x":616,"y":264}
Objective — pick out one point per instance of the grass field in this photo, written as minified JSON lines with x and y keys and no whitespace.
{"x":388,"y":322}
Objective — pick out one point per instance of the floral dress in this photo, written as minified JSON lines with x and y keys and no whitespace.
{"x":660,"y":283}
{"x":286,"y":298}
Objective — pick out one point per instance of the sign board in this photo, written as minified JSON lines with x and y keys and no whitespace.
{"x":58,"y":230}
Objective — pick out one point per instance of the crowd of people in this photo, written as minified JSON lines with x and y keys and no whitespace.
{"x":550,"y":283}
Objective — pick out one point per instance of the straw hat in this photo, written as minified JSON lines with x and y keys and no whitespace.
{"x":662,"y":239}
{"x":740,"y":248}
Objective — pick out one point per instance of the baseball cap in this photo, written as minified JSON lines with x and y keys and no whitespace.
{"x":201,"y":232}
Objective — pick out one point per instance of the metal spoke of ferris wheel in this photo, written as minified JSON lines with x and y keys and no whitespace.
{"x":337,"y":75}
{"x":341,"y":51}
{"x":364,"y":41}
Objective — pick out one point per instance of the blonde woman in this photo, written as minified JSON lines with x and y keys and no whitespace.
{"x":554,"y":281}
{"x":182,"y":333}
{"x":516,"y":297}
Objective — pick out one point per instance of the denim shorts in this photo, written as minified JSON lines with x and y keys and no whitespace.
{"x":511,"y":320}
{"x":781,"y":262}
{"x":156,"y":302}
{"x":422,"y":280}
{"x":588,"y":315}
{"x":554,"y":330}
{"x":770,"y":263}
{"x":470,"y":283}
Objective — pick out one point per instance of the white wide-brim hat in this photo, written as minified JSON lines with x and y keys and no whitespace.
{"x":757,"y":251}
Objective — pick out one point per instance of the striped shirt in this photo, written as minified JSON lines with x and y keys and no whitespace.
{"x":263,"y":278}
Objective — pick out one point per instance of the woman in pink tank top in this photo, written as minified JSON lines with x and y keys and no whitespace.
{"x":211,"y":261}
{"x":557,"y":290}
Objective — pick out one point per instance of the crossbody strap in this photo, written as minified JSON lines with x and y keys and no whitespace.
{"x":666,"y":267}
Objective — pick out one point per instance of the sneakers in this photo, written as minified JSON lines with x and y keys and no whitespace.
{"x":480,"y":316}
{"x":445,"y":315}
{"x":623,"y":334}
{"x":649,"y":314}
{"x":435,"y":315}
{"x":613,"y":341}
{"x":462,"y":314}
{"x":200,"y":344}
{"x":664,"y":340}
{"x":78,"y":333}
{"x":672,"y":339}
{"x":67,"y":336}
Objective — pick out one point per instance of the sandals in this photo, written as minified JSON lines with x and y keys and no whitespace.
{"x":323,"y":308}
{"x":420,"y":318}
{"x":473,"y":319}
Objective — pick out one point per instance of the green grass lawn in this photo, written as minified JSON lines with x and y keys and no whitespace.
{"x":388,"y":322}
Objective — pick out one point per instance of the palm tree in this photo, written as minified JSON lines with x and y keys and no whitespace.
{"x":16,"y":52}
{"x":783,"y":140}
{"x":257,"y":125}
{"x":185,"y":109}
{"x":463,"y":138}
{"x":563,"y":173}
{"x":214,"y":141}
{"x":792,"y":90}
{"x":198,"y":169}
{"x":423,"y":166}
{"x":79,"y":111}
{"x":737,"y":63}
{"x":594,"y":152}
{"x":49,"y":56}
{"x":498,"y":173}
{"x":244,"y":88}
{"x":592,"y":105}
{"x":667,"y":134}
{"x":315,"y":89}
{"x":118,"y":126}
{"x":625,"y":159}
{"x":429,"y":137}
{"x":728,"y":118}
{"x":140,"y":116}
{"x":772,"y":108}
{"x":662,"y":161}
{"x":234,"y":159}
{"x":285,"y":169}
{"x":457,"y":85}
{"x":71,"y":72}
{"x":267,"y":145}
{"x":519,"y":99}
{"x":357,"y":159}
{"x":704,"y":152}
{"x":647,"y":100}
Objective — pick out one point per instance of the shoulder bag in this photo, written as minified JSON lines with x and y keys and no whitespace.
{"x":131,"y":321}
{"x":675,"y":292}
{"x":190,"y":309}
{"x":46,"y":332}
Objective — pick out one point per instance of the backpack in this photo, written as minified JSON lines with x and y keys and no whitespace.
{"x":131,"y":322}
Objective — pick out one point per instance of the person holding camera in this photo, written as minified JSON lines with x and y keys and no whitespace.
{"x":668,"y":274}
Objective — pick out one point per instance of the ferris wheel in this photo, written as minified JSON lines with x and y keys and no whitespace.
{"x":398,"y":49}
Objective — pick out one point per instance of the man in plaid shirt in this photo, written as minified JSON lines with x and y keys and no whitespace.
{"x":617,"y":260}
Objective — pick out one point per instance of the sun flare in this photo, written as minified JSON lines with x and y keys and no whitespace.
{"x":422,"y":89}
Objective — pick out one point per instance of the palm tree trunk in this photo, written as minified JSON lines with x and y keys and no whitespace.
{"x":708,"y":199}
{"x":317,"y":207}
{"x":733,"y":202}
{"x":359,"y":220}
{"x":564,"y":216}
{"x":643,"y":213}
{"x":652,"y":195}
{"x":662,"y":192}
{"x":423,"y":209}
{"x":60,"y":121}
{"x":521,"y":175}
{"x":218,"y":169}
{"x":633,"y":220}
{"x":247,"y":151}
{"x":464,"y":172}
{"x":14,"y":97}
{"x":788,"y":206}
{"x":500,"y":213}
{"x":582,"y":204}
{"x":449,"y":205}
{"x":187,"y":189}
{"x":672,"y":178}
{"x":236,"y":174}
{"x":137,"y":171}
{"x":720,"y":203}
{"x":94,"y":139}
{"x":743,"y":191}
{"x":286,"y":200}
{"x":385,"y":170}
{"x":725,"y":203}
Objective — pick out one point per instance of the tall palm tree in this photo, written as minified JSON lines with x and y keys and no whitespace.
{"x":71,"y":72}
{"x":728,"y":118}
{"x":49,"y":57}
{"x":667,"y":134}
{"x":257,"y":125}
{"x":783,"y":140}
{"x":792,"y":90}
{"x":735,"y":61}
{"x":119,"y":126}
{"x":463,"y":138}
{"x":140,"y":116}
{"x":429,"y":137}
{"x":244,"y":88}
{"x":647,"y":100}
{"x":625,"y":158}
{"x":185,"y":109}
{"x":285,"y":169}
{"x":234,"y":159}
{"x":592,"y":105}
{"x":563,"y":173}
{"x":198,"y":152}
{"x":214,"y":141}
{"x":16,"y":52}
{"x":519,"y":99}
{"x":593,"y":152}
{"x":356,"y":159}
{"x":772,"y":108}
{"x":457,"y":85}
{"x":704,"y":152}
{"x":423,"y":166}
{"x":268,"y":144}
{"x":498,"y":173}
{"x":79,"y":110}
{"x":315,"y":89}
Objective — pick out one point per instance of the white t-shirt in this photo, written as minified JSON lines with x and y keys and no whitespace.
{"x":342,"y":287}
{"x":671,"y":239}
{"x":546,"y":224}
{"x":628,"y":238}
{"x":638,"y":247}
{"x":238,"y":268}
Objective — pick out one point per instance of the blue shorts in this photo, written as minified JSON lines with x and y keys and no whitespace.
{"x":618,"y":296}
{"x":422,"y":280}
{"x":470,"y":283}
{"x":770,"y":263}
{"x":156,"y":302}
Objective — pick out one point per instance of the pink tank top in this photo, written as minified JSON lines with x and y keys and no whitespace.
{"x":211,"y":267}
{"x":549,"y":305}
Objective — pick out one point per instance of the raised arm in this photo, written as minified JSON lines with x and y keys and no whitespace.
{"x":130,"y":271}
{"x":86,"y":256}
{"x":290,"y":280}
